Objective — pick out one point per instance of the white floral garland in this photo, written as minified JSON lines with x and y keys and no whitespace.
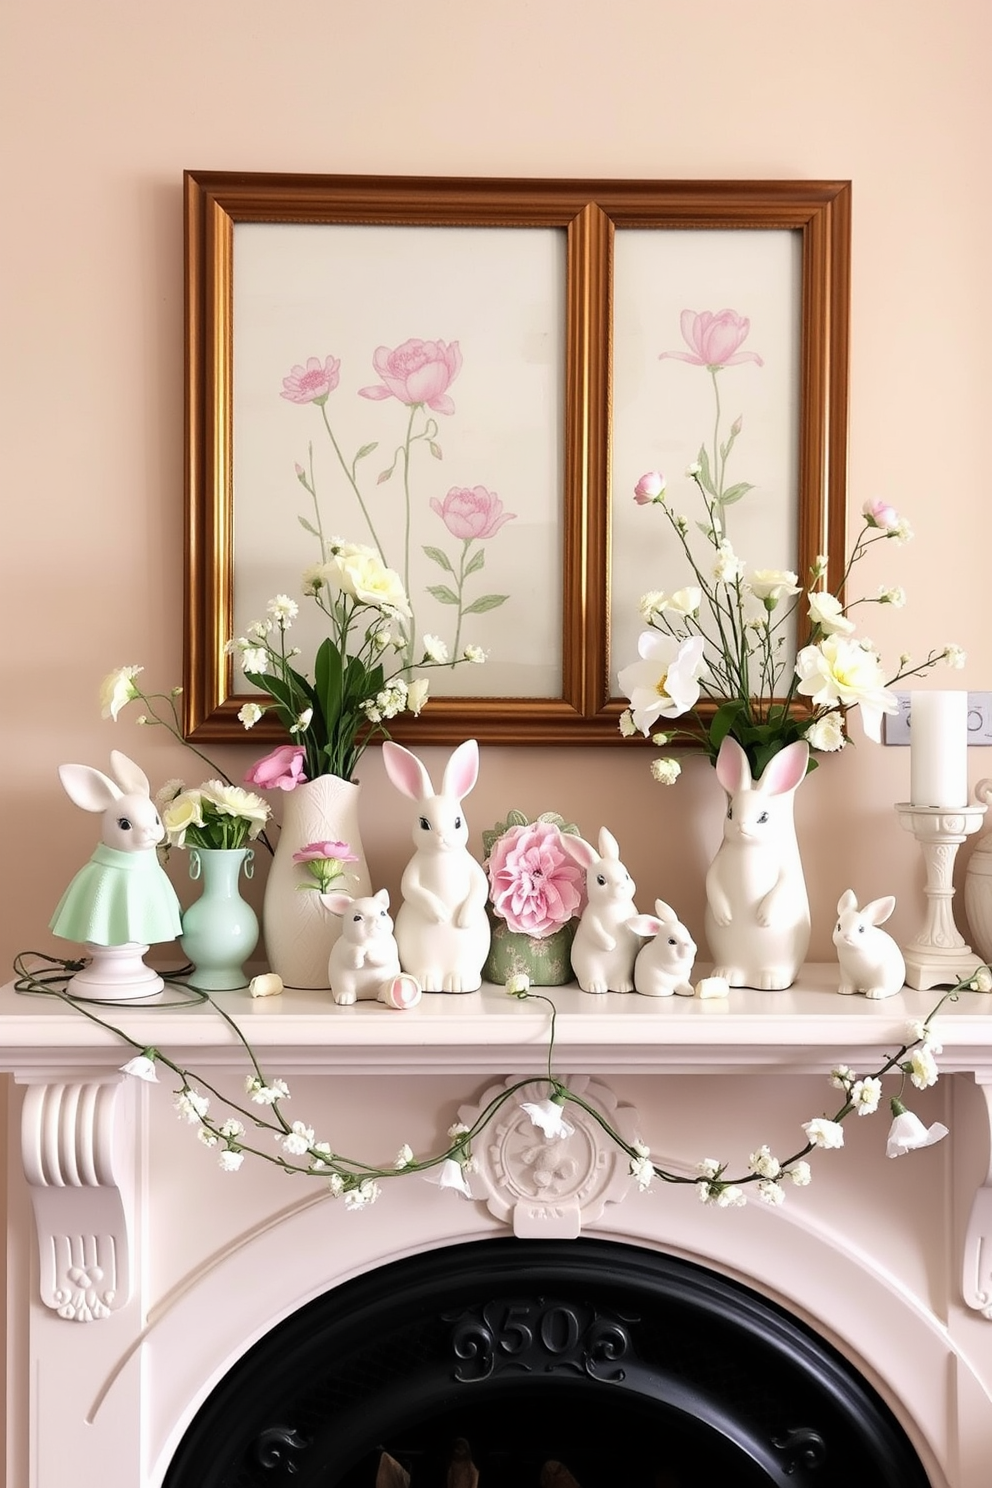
{"x":297,"y":1148}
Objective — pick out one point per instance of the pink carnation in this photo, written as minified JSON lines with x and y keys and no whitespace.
{"x":535,"y":887}
{"x":316,"y":851}
{"x":280,"y":770}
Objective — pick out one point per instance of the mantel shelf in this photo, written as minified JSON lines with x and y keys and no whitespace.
{"x":807,"y":1028}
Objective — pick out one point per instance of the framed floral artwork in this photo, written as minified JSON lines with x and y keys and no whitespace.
{"x":469,"y":376}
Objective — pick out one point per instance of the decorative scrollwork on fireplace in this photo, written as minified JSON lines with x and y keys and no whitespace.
{"x":539,"y":1336}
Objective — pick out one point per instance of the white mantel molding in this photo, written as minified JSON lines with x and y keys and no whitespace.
{"x":74,"y":1142}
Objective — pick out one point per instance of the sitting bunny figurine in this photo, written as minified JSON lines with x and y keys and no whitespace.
{"x":442,"y":928}
{"x":605,"y":943}
{"x":364,"y":963}
{"x":870,"y":960}
{"x":757,"y":912}
{"x":664,"y":965}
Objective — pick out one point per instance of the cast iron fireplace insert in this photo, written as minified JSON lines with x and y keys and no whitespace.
{"x":631,"y":1368}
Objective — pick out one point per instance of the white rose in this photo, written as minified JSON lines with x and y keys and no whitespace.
{"x":416,"y":694}
{"x":772,"y":584}
{"x":118,"y":689}
{"x":827,"y":732}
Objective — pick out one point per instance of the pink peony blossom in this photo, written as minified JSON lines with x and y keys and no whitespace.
{"x":714,"y":339}
{"x":535,"y":887}
{"x":280,"y":770}
{"x":471,"y":513}
{"x":417,"y":372}
{"x":313,"y":383}
{"x":316,"y":851}
{"x":650,"y":488}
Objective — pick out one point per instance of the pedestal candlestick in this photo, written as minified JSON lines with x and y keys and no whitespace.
{"x":938,"y":955}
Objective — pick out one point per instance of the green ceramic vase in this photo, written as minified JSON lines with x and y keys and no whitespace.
{"x":220,"y":930}
{"x":546,"y":961}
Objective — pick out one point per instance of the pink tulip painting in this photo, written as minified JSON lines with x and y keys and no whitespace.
{"x":471,"y":513}
{"x":313,"y":383}
{"x":417,"y":372}
{"x":714,"y":340}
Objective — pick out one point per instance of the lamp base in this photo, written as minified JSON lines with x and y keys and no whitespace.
{"x":116,"y":974}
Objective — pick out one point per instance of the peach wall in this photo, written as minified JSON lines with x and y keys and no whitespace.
{"x":106,"y":103}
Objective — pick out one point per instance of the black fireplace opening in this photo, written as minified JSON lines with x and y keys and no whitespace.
{"x":543,"y":1364}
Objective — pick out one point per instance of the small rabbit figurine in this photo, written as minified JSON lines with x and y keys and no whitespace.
{"x":605,"y":945}
{"x":664,"y":965}
{"x":870,"y":960}
{"x":122,"y":897}
{"x":364,"y":964}
{"x":442,"y":929}
{"x":757,"y":912}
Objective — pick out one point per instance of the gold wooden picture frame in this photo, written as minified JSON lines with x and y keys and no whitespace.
{"x":526,"y":262}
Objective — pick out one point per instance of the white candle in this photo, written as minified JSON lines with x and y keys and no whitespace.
{"x":938,"y":748}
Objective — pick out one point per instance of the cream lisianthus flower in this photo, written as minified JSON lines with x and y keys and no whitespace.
{"x":435,"y":650}
{"x":839,"y":670}
{"x":249,"y":714}
{"x":685,"y":601}
{"x":181,"y":813}
{"x":234,"y":800}
{"x":827,"y":732}
{"x":826,"y":611}
{"x":416,"y":694}
{"x":118,"y":689}
{"x":283,"y":610}
{"x":652,"y":604}
{"x":366,"y":578}
{"x":772,"y":584}
{"x":727,"y":568}
{"x":664,"y":683}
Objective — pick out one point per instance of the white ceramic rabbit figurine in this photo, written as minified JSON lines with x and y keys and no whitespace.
{"x":870,"y":960}
{"x":364,"y":964}
{"x":605,"y":945}
{"x":122,"y":897}
{"x":664,"y":965}
{"x":757,"y":912}
{"x":441,"y":928}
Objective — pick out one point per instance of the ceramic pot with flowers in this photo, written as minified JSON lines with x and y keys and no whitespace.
{"x":320,"y":845}
{"x":216,"y":822}
{"x":536,"y":896}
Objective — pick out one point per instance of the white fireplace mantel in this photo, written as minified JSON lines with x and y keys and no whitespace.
{"x":86,"y":1131}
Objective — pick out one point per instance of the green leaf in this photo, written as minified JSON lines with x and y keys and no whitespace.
{"x":485,"y":602}
{"x":476,"y":562}
{"x":308,"y":526}
{"x":443,"y":593}
{"x":440,"y":558}
{"x":723,"y":722}
{"x":435,"y":450}
{"x":705,"y":475}
{"x":327,"y":674}
{"x":734,"y":493}
{"x":366,"y":449}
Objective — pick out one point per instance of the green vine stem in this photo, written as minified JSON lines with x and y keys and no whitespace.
{"x":357,"y":1178}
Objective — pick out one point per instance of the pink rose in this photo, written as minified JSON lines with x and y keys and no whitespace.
{"x":313,"y":383}
{"x":714,"y":339}
{"x":535,"y":887}
{"x":417,"y":372}
{"x":316,"y":851}
{"x":280,"y":770}
{"x":471,"y":513}
{"x":881,"y":514}
{"x":650,"y":488}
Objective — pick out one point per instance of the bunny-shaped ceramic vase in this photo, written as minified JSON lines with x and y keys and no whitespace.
{"x":757,"y":912}
{"x":664,"y":965}
{"x":364,"y":964}
{"x":121,"y":901}
{"x":870,"y":961}
{"x":605,"y":945}
{"x":442,"y":929}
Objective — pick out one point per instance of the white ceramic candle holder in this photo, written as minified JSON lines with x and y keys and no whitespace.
{"x":939,"y":956}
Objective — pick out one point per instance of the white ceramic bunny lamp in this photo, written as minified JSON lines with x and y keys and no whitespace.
{"x":441,"y":928}
{"x":870,"y":961}
{"x":757,"y":912}
{"x":364,"y":963}
{"x":121,"y":901}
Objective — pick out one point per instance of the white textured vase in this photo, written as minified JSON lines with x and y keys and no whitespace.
{"x":299,"y":932}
